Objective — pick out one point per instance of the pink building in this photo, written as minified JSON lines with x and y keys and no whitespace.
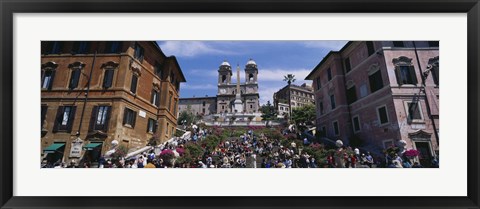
{"x":377,"y":94}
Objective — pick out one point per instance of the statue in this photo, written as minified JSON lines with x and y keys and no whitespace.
{"x":339,"y":162}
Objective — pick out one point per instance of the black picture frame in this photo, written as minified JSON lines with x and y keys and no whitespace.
{"x":10,"y":7}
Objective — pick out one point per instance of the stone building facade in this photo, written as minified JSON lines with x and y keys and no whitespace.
{"x":224,"y":100}
{"x":299,"y":96}
{"x":126,"y":93}
{"x":380,"y":94}
{"x":198,"y":105}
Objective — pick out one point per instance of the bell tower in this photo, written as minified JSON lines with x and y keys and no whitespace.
{"x":224,"y":73}
{"x":251,"y":72}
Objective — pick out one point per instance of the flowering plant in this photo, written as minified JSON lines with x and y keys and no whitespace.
{"x":167,"y":152}
{"x":180,"y":150}
{"x":411,"y":153}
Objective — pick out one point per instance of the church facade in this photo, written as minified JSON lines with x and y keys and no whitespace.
{"x":230,"y":91}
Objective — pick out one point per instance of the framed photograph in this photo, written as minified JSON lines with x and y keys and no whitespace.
{"x":239,"y":104}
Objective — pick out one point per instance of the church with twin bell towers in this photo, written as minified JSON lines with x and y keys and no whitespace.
{"x":238,"y":97}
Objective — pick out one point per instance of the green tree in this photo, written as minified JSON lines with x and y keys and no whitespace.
{"x":289,"y":78}
{"x":268,"y":112}
{"x":187,"y":117}
{"x":304,"y":116}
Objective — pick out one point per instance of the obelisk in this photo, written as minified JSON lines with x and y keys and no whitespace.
{"x":238,"y":99}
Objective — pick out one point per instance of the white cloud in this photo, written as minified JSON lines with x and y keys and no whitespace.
{"x":330,"y":45}
{"x":278,"y":74}
{"x":191,"y":48}
{"x":266,"y":93}
{"x":197,"y":86}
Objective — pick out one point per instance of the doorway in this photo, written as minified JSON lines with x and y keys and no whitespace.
{"x":425,"y":156}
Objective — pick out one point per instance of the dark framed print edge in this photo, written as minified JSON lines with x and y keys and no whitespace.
{"x":10,"y":7}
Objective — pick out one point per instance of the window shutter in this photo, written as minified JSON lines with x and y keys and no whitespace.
{"x":51,"y":80}
{"x":152,"y":97}
{"x":155,"y":126}
{"x":398,"y":74}
{"x":157,"y":99}
{"x":71,"y":118}
{"x":58,"y":118}
{"x":107,"y":80}
{"x":413,"y":75}
{"x":75,"y":47}
{"x":133,"y":86}
{"x":93,"y":118}
{"x":134,"y":117}
{"x":44,"y":113}
{"x":74,"y":79}
{"x":107,"y":118}
{"x":125,"y":113}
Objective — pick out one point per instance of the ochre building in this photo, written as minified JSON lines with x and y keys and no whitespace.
{"x":96,"y":95}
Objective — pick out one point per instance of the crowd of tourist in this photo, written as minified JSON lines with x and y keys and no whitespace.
{"x":249,"y":150}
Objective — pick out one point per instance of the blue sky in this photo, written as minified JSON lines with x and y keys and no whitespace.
{"x":200,"y":60}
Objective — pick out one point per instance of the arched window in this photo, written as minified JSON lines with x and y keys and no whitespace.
{"x":48,"y":74}
{"x":404,"y":71}
{"x":76,"y":69}
{"x":108,"y":68}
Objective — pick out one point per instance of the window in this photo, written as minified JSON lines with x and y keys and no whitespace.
{"x":414,"y":111}
{"x":356,"y":124}
{"x":108,"y":78}
{"x":433,"y":43}
{"x":54,"y":47}
{"x":281,"y":108}
{"x":318,"y":82}
{"x":133,"y":84}
{"x":406,"y":75}
{"x":223,"y":107}
{"x":203,"y":103}
{"x":170,"y":102}
{"x":129,"y":117}
{"x":172,"y":77}
{"x":382,"y":115}
{"x":370,"y":48}
{"x":155,"y":99}
{"x":321,"y":108}
{"x":166,"y":130}
{"x":375,"y":80}
{"x":138,"y":52}
{"x":348,"y":67}
{"x":47,"y":79}
{"x":64,"y":119}
{"x":224,"y":78}
{"x":151,"y":126}
{"x":43,"y":114}
{"x":351,"y":95}
{"x":175,"y":107}
{"x":74,"y":77}
{"x":388,"y":143}
{"x":80,"y":47}
{"x":329,"y":74}
{"x":363,"y":90}
{"x":100,"y":118}
{"x":112,"y":47}
{"x":203,"y":110}
{"x":332,"y":101}
{"x":435,"y":74}
{"x":324,"y":131}
{"x":335,"y":128}
{"x":398,"y":44}
{"x":159,"y":70}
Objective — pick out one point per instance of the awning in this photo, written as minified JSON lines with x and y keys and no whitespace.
{"x":91,"y":146}
{"x":54,"y":147}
